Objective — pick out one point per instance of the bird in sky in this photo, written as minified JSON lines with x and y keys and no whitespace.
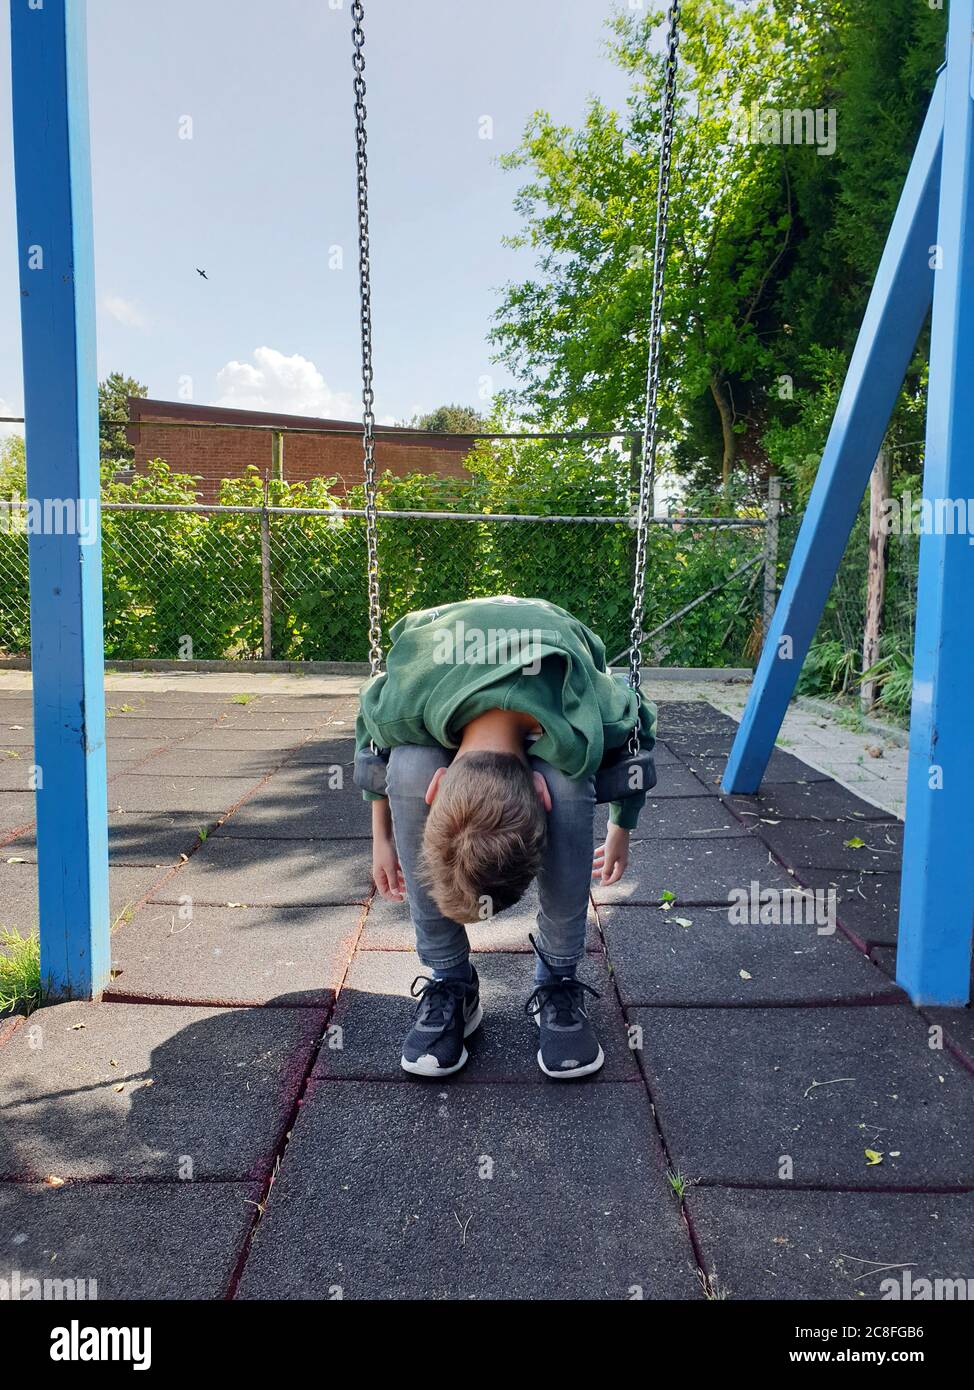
{"x":202,"y":272}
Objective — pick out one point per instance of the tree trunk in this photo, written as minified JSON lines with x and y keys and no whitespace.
{"x":726,"y":428}
{"x":875,"y":577}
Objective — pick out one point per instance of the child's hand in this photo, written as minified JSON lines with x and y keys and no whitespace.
{"x":387,"y":871}
{"x":611,"y":858}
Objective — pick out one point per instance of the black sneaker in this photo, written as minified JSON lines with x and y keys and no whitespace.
{"x":449,"y":1011}
{"x":569,"y":1047}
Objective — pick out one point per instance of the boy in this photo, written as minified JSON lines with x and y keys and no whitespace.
{"x":497,"y":712}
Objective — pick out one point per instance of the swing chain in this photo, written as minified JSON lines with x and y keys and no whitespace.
{"x":365,"y":300}
{"x":647,"y":475}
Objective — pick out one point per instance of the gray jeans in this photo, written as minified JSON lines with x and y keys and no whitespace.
{"x":563,"y":880}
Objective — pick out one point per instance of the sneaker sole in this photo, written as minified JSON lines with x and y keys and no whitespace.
{"x":427,"y":1066}
{"x":575,"y":1072}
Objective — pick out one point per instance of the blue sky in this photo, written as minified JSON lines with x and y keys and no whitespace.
{"x":266,"y":186}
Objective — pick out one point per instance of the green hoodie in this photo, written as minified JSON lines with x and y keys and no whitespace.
{"x":448,"y":665}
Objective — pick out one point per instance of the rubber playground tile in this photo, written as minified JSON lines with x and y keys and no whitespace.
{"x":875,"y":848}
{"x":374,"y":1012}
{"x":157,"y":727}
{"x":18,"y":892}
{"x":16,"y":772}
{"x":664,"y":755}
{"x":147,"y":791}
{"x":957,"y":1022}
{"x":233,"y":956}
{"x":138,"y":839}
{"x":388,"y":928}
{"x":222,"y":738}
{"x":868,"y":904}
{"x":400,"y":1191}
{"x":304,"y":806}
{"x":743,"y":1095}
{"x":286,"y":872}
{"x":260,"y":720}
{"x":702,"y":870}
{"x":782,"y":767}
{"x":330,"y":751}
{"x":16,"y":810}
{"x":182,"y":762}
{"x":177,"y":1240}
{"x":827,"y":801}
{"x":832,"y":1245}
{"x":133,"y":1090}
{"x":17,"y":733}
{"x":674,"y":780}
{"x":698,"y":956}
{"x":678,"y":818}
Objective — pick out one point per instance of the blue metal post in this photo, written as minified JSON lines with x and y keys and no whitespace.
{"x":933,"y":963}
{"x":50,"y":111}
{"x":894,"y":315}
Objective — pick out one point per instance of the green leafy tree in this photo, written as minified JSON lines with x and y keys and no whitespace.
{"x":113,"y":414}
{"x":450,"y":419}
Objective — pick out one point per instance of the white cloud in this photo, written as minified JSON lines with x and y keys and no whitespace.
{"x":124,"y":311}
{"x":289,"y":385}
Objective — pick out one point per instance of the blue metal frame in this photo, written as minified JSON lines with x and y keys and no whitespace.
{"x":937,"y":898}
{"x":55,"y":249}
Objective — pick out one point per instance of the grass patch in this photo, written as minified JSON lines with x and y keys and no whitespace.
{"x":20,"y":970}
{"x":242,"y":699}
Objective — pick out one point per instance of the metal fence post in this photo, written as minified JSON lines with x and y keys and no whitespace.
{"x":771,"y":553}
{"x":266,"y":590}
{"x":879,"y":484}
{"x":277,"y":456}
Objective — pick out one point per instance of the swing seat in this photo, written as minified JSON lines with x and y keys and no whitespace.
{"x":621,"y":774}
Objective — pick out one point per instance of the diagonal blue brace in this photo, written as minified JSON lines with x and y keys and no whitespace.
{"x":933,"y":962}
{"x":894,"y":316}
{"x":50,"y":111}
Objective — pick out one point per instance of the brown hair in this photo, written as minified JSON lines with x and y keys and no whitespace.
{"x":484,"y":836}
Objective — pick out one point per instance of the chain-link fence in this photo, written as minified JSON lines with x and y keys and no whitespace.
{"x":196,"y":582}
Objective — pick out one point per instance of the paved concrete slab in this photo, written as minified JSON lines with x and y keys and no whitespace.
{"x":17,"y":734}
{"x":657,"y":959}
{"x":807,"y":801}
{"x":139,"y":838}
{"x":696,"y":871}
{"x":223,"y":1083}
{"x":834,"y":845}
{"x":399,"y":1191}
{"x":16,"y":770}
{"x":234,"y":955}
{"x":678,"y":818}
{"x":145,"y":791}
{"x":388,"y":928}
{"x":375,"y":1009}
{"x":880,"y":1087}
{"x":286,"y":872}
{"x":830,"y":1245}
{"x":177,"y":1240}
{"x":18,"y":892}
{"x":868,"y":904}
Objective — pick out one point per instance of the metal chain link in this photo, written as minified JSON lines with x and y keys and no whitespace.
{"x":647,"y":473}
{"x":365,"y":300}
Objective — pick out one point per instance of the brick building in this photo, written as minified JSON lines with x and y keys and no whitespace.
{"x":212,"y":443}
